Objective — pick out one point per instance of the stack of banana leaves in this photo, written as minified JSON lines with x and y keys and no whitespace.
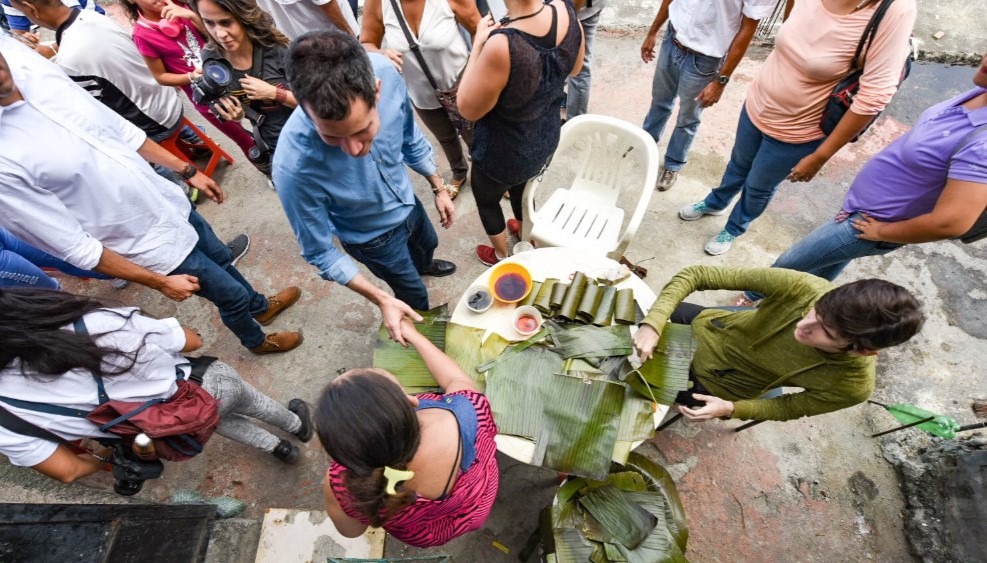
{"x":632,"y":515}
{"x":569,"y":388}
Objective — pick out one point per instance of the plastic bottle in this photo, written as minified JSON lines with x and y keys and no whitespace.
{"x":144,"y":447}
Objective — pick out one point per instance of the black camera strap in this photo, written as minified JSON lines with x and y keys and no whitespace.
{"x":18,"y":425}
{"x":256,"y":118}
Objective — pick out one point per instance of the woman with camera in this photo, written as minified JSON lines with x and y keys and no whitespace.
{"x":169,"y":37}
{"x":435,"y":28}
{"x":48,"y":359}
{"x":244,"y":36}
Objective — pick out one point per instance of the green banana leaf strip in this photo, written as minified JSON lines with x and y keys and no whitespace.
{"x":613,"y":554}
{"x":599,"y":554}
{"x":579,"y":425}
{"x":511,"y":349}
{"x":604,"y":311}
{"x":941,"y":425}
{"x":513,"y":389}
{"x":637,"y":421}
{"x":593,"y":530}
{"x":543,"y":300}
{"x":529,"y":299}
{"x":569,"y":488}
{"x":667,"y":371}
{"x":660,"y":480}
{"x":628,"y":522}
{"x":594,"y":341}
{"x":463,"y":345}
{"x":558,"y":294}
{"x":590,"y":303}
{"x":659,"y":543}
{"x":567,"y":310}
{"x":623,"y":309}
{"x":571,"y":547}
{"x":630,"y":481}
{"x":405,"y":363}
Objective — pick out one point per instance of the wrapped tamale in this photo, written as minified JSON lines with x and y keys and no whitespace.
{"x":623,"y":311}
{"x":590,"y":302}
{"x":604,"y":310}
{"x":570,"y":303}
{"x":543,"y":296}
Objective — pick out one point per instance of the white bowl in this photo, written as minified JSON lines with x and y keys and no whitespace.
{"x":479,"y":298}
{"x":523,"y":314}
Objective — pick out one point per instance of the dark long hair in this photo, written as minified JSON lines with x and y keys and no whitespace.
{"x":31,"y":322}
{"x":365,"y":422}
{"x":257,"y":24}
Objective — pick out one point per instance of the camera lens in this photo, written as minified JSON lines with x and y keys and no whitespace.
{"x":127,"y":488}
{"x":217,"y":72}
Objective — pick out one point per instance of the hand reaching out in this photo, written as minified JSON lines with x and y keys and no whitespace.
{"x":645,"y":340}
{"x":715,"y":408}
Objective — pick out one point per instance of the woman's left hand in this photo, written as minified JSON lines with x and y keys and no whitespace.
{"x":257,"y":89}
{"x":807,"y":168}
{"x":870,"y":228}
{"x":172,"y":11}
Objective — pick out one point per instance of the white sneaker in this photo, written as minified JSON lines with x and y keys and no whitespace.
{"x":696,"y":210}
{"x":719,"y":244}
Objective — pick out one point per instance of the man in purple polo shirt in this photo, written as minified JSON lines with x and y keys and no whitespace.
{"x":930,"y":184}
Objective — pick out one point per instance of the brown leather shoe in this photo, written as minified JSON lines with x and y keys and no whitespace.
{"x":278,"y":303}
{"x":276,"y":342}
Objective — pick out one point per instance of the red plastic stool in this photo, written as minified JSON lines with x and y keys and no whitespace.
{"x":185,"y":150}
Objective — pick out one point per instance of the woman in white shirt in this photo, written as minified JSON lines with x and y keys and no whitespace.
{"x":44,"y":360}
{"x":435,"y":26}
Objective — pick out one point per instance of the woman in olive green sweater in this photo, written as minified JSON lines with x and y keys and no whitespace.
{"x":806,"y":333}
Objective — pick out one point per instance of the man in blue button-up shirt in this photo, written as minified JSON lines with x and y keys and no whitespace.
{"x":340,"y":170}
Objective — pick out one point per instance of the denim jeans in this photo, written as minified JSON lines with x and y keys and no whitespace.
{"x":577,"y":87}
{"x":827,"y":250}
{"x":684,"y":75}
{"x":758,"y":165}
{"x":222,"y":284}
{"x":21,"y":263}
{"x":400,"y":255}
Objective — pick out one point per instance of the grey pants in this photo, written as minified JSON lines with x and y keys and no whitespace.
{"x":239,"y":400}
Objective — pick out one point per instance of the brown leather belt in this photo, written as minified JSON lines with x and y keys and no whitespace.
{"x":686,"y":49}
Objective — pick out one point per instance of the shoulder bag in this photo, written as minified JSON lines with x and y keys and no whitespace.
{"x":841,"y":98}
{"x":446,"y":98}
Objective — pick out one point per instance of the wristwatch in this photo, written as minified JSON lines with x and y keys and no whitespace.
{"x":188,"y":172}
{"x":723,"y":79}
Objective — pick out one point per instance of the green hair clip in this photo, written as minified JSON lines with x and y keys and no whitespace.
{"x":395,"y":476}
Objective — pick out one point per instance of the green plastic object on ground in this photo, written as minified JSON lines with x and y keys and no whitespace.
{"x":914,"y":417}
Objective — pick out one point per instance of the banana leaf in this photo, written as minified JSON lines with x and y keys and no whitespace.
{"x":463,"y":345}
{"x":590,"y":303}
{"x":659,"y":479}
{"x":604,"y":312}
{"x":629,"y":523}
{"x":543,"y":301}
{"x":567,"y":310}
{"x":529,"y":300}
{"x":513,"y":386}
{"x":405,"y":363}
{"x":666,"y":373}
{"x":594,"y":341}
{"x":637,"y":421}
{"x":624,"y":312}
{"x":579,"y":425}
{"x":558,"y":294}
{"x":570,"y":547}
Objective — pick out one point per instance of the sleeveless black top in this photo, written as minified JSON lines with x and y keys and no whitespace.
{"x":515,"y":139}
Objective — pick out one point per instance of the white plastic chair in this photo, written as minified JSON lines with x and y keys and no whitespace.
{"x":586,"y":215}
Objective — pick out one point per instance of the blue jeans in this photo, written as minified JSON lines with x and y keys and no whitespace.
{"x":400,"y":255}
{"x":827,"y":250}
{"x":21,"y":263}
{"x":577,"y":96}
{"x":683,"y":75}
{"x":758,"y":165}
{"x":222,"y":284}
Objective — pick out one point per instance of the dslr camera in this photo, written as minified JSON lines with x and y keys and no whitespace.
{"x":130,"y":472}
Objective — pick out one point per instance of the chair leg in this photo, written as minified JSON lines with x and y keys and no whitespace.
{"x":748,"y":425}
{"x":218,"y":154}
{"x":670,"y":422}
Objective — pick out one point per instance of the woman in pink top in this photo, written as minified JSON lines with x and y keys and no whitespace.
{"x":778,"y":136}
{"x":169,"y":37}
{"x":423,"y":467}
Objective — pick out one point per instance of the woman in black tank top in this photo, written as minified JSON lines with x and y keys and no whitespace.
{"x":512,"y":87}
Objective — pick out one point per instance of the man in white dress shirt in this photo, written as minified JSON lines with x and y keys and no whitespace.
{"x":74,"y":182}
{"x":296,"y":17}
{"x":702,"y":46}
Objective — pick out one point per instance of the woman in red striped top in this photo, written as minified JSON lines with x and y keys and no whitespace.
{"x":422,"y":467}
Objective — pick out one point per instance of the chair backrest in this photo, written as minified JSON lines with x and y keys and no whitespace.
{"x":604,"y":146}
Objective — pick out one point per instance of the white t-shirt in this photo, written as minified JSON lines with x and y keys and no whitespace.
{"x":296,"y":17}
{"x":709,"y":26}
{"x":442,"y":46}
{"x":71,"y":181}
{"x":101,"y":57}
{"x":153,"y":376}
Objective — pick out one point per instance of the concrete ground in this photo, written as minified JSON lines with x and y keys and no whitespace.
{"x":813,"y":490}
